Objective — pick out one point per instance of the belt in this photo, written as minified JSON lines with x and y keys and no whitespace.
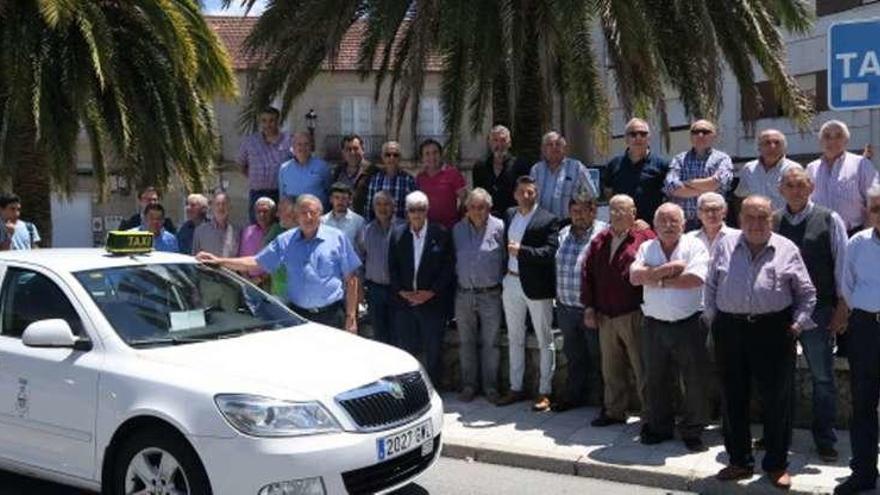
{"x":755,"y":318}
{"x":869,"y":314}
{"x":315,"y":311}
{"x":676,"y":322}
{"x":479,"y":290}
{"x":511,"y":272}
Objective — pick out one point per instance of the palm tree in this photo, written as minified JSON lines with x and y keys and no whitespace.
{"x":135,"y":78}
{"x":495,"y":52}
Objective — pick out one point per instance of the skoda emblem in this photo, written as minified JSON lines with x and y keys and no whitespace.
{"x":394,"y":388}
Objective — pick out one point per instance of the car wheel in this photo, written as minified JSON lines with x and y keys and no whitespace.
{"x":156,"y":462}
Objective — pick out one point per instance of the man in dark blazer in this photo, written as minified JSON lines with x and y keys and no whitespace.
{"x":532,"y":236}
{"x":421,"y":269}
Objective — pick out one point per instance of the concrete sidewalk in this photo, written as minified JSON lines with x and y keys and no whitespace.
{"x":566,"y":443}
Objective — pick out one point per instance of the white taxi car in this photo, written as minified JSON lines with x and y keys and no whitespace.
{"x":155,"y":374}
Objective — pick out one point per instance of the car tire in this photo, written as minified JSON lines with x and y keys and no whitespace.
{"x":158,"y":457}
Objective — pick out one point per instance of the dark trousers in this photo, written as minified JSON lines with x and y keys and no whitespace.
{"x":381,"y":313}
{"x":332,"y":315}
{"x":419,"y":331}
{"x":818,"y":346}
{"x":673,"y":350}
{"x":581,"y":348}
{"x":256,"y":194}
{"x":864,"y":365}
{"x":762,"y":350}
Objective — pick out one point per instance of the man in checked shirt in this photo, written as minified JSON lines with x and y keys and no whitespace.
{"x":260,"y":156}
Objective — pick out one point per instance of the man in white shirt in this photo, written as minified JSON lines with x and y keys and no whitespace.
{"x":711,"y":210}
{"x":763,"y":175}
{"x":672,"y":270}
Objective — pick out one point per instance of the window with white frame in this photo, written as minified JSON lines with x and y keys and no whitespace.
{"x":356,"y":115}
{"x":430,"y":117}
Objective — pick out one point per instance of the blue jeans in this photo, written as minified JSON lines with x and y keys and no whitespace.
{"x":381,"y":315}
{"x":818,"y":346}
{"x":581,"y":347}
{"x":256,"y":194}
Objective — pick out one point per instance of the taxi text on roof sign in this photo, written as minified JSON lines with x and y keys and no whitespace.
{"x":129,"y":242}
{"x":854,"y":64}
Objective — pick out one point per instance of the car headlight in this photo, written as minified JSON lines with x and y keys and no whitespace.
{"x":266,"y":417}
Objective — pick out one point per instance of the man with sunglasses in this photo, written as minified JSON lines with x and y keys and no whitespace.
{"x":638,"y":172}
{"x":390,"y":178}
{"x":698,"y":170}
{"x":261,"y":155}
{"x":764,"y":175}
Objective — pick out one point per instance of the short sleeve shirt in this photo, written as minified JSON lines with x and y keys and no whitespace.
{"x":21,"y":237}
{"x":316,"y":268}
{"x":667,"y":303}
{"x":441,"y":189}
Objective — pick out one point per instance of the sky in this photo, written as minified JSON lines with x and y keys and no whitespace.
{"x":213,"y":7}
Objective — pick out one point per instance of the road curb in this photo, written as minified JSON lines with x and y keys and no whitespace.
{"x":666,"y":478}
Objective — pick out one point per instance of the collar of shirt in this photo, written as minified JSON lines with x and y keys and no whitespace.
{"x":702,"y":157}
{"x":527,"y":216}
{"x":797,"y":218}
{"x":769,"y":247}
{"x":420,"y":234}
{"x":639,"y":163}
{"x":774,"y":165}
{"x":320,"y":234}
{"x":344,"y":216}
{"x":837,"y":161}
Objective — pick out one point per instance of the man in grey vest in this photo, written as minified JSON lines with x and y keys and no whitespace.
{"x":821,"y":236}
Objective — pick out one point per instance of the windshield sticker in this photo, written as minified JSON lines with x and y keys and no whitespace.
{"x":186,"y":320}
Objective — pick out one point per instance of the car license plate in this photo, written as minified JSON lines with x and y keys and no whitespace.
{"x":406,"y":440}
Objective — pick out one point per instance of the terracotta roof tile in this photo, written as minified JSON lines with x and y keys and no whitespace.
{"x":233,"y":30}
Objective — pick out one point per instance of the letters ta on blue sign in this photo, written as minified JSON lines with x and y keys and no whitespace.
{"x":854,"y":65}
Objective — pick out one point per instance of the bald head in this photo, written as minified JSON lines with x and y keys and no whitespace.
{"x":755,"y":219}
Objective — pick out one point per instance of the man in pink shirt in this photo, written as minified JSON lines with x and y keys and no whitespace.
{"x":252,"y":236}
{"x":442,"y":183}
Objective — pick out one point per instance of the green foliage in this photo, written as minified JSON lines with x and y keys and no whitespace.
{"x":528,"y":48}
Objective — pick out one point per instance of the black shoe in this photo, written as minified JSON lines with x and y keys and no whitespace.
{"x":647,"y":437}
{"x":605,"y":420}
{"x":852,"y":486}
{"x":827,"y":454}
{"x":562,"y":405}
{"x":695,"y":444}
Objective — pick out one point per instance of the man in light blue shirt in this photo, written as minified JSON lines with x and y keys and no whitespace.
{"x":861,"y":290}
{"x":304,"y":174}
{"x":341,"y":216}
{"x":16,"y":234}
{"x":559,"y":177}
{"x":154,"y":218}
{"x":321,"y":264}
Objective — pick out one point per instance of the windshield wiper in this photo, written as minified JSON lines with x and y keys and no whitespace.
{"x":164,"y":341}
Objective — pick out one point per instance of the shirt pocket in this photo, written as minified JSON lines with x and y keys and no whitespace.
{"x":324,"y":266}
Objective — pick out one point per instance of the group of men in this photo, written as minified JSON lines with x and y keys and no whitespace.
{"x":636,"y":299}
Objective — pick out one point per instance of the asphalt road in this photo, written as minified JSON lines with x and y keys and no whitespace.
{"x":449,"y":476}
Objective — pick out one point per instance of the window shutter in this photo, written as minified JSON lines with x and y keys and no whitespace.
{"x":346,"y":115}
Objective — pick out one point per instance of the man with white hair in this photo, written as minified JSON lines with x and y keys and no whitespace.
{"x":821,"y":237}
{"x":559,"y":177}
{"x":253,"y":236}
{"x":196,"y":214}
{"x":699,"y":170}
{"x":497,"y":174}
{"x":763,"y":175}
{"x":321,"y":265}
{"x":638,"y":171}
{"x":479,"y":267}
{"x":861,"y":284}
{"x":841,"y":178}
{"x":711,"y":210}
{"x":420,"y":270}
{"x":672,"y":270}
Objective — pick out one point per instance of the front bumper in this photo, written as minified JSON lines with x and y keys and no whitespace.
{"x":242,"y":465}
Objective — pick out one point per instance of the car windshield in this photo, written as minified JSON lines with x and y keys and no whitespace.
{"x":166,"y":304}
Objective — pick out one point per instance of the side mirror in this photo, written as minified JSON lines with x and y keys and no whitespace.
{"x":54,"y":333}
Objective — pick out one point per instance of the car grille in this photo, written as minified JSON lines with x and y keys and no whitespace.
{"x":388,"y":402}
{"x":386,"y":474}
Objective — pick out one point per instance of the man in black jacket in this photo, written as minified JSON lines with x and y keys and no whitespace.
{"x":498,"y":173}
{"x":532,"y":236}
{"x":421,"y":269}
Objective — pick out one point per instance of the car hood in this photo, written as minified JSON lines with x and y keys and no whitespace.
{"x":306,"y":362}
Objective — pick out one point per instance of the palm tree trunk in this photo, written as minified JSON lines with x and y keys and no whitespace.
{"x":530,"y":119}
{"x":30,"y":180}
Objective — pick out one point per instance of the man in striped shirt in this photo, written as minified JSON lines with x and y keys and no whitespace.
{"x":260,"y":156}
{"x":559,"y":177}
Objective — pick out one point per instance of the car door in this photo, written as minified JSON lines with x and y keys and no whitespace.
{"x":47,"y":396}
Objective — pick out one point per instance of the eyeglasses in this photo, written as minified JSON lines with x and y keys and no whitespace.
{"x":712,"y":209}
{"x":416,"y":209}
{"x":701,"y":132}
{"x":637,"y":133}
{"x":771,"y":141}
{"x":392,"y":155}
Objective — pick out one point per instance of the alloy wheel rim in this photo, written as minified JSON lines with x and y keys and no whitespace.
{"x":154,"y":471}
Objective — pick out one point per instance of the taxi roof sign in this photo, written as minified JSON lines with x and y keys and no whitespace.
{"x":129,"y":242}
